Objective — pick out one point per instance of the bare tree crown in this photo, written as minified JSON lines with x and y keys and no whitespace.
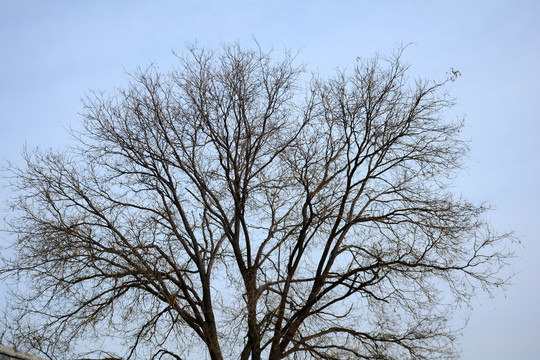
{"x":226,"y":209}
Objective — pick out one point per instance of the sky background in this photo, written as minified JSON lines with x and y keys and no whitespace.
{"x":53,"y":52}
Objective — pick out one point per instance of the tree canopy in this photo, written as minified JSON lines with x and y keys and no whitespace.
{"x":232,"y":209}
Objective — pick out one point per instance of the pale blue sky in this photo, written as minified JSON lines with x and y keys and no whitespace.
{"x":52,"y":52}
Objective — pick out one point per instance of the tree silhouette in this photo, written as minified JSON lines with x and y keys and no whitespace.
{"x":230,"y":209}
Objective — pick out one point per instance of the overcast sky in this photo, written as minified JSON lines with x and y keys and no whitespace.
{"x":53,"y":52}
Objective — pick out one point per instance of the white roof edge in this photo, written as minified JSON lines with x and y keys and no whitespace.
{"x":17,"y":354}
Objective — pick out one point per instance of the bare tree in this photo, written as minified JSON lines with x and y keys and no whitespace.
{"x":227,"y":210}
